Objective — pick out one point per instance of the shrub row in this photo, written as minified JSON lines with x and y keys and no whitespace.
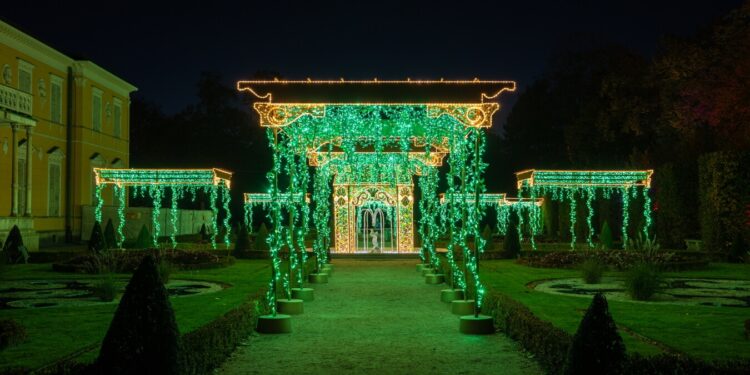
{"x":550,"y":344}
{"x":209,"y":346}
{"x":201,"y":351}
{"x":617,"y":259}
{"x":127,"y":261}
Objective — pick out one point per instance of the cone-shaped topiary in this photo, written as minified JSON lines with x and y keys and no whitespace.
{"x":243,"y":242}
{"x":487,"y":236}
{"x":144,"y":240}
{"x":596,"y":348}
{"x":96,"y":240}
{"x":605,"y":236}
{"x":512,"y":244}
{"x":143,"y":337}
{"x":738,"y":250}
{"x":203,"y":232}
{"x":11,"y":245}
{"x":260,"y":238}
{"x":110,"y":239}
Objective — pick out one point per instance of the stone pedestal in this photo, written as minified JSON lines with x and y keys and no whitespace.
{"x":290,"y":306}
{"x":305,"y":294}
{"x":462,"y":307}
{"x":479,"y":325}
{"x":318,"y":278}
{"x":450,"y":295}
{"x":434,"y":278}
{"x":279,"y":323}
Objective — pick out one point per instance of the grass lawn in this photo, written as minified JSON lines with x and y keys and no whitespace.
{"x":707,"y":332}
{"x":56,"y":332}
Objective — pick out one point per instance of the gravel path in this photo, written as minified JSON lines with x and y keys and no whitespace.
{"x":378,"y":317}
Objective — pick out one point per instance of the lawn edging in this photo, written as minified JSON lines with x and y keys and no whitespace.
{"x":550,"y":344}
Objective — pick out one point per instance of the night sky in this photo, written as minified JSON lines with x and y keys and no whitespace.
{"x":162,"y":49}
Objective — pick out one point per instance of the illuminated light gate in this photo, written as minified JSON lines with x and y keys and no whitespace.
{"x":366,"y":141}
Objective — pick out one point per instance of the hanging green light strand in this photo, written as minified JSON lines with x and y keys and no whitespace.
{"x":589,"y":192}
{"x":120,"y":192}
{"x":176,"y":195}
{"x":226,"y":199}
{"x":625,"y":216}
{"x":213,"y":192}
{"x":156,"y":193}
{"x":99,"y":204}
{"x":646,"y":212}
{"x":572,"y":201}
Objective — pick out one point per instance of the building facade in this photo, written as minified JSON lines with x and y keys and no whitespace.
{"x":59,"y":118}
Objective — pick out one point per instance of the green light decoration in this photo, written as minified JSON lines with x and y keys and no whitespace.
{"x":366,"y":153}
{"x":154,"y":184}
{"x":646,"y":211}
{"x":563,"y":185}
{"x":322,"y":216}
{"x":155,"y":194}
{"x":528,"y":212}
{"x":429,"y":229}
{"x":120,"y":193}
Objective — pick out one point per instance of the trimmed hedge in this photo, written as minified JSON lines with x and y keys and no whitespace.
{"x":128,"y":261}
{"x":617,"y":259}
{"x":209,"y":346}
{"x":550,"y":344}
{"x":724,"y":185}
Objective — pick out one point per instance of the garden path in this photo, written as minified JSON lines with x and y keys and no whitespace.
{"x":378,"y":317}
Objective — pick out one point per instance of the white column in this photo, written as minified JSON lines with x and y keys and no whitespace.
{"x":14,"y":171}
{"x":29,"y":149}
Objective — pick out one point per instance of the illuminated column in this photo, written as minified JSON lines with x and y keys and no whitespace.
{"x":28,"y":171}
{"x":14,"y":171}
{"x":341,"y":218}
{"x":405,"y":214}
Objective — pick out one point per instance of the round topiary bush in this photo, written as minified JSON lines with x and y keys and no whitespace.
{"x":592,"y":271}
{"x":642,"y":281}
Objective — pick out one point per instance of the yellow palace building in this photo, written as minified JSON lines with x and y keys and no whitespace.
{"x":59,"y":118}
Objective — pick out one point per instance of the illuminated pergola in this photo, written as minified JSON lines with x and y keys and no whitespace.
{"x":154,"y":183}
{"x":366,"y":141}
{"x":567,"y":185}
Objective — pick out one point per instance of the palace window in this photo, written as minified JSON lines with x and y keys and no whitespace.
{"x":117,"y":118}
{"x":96,"y":104}
{"x":25,"y":71}
{"x":55,"y":103}
{"x":55,"y":182}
